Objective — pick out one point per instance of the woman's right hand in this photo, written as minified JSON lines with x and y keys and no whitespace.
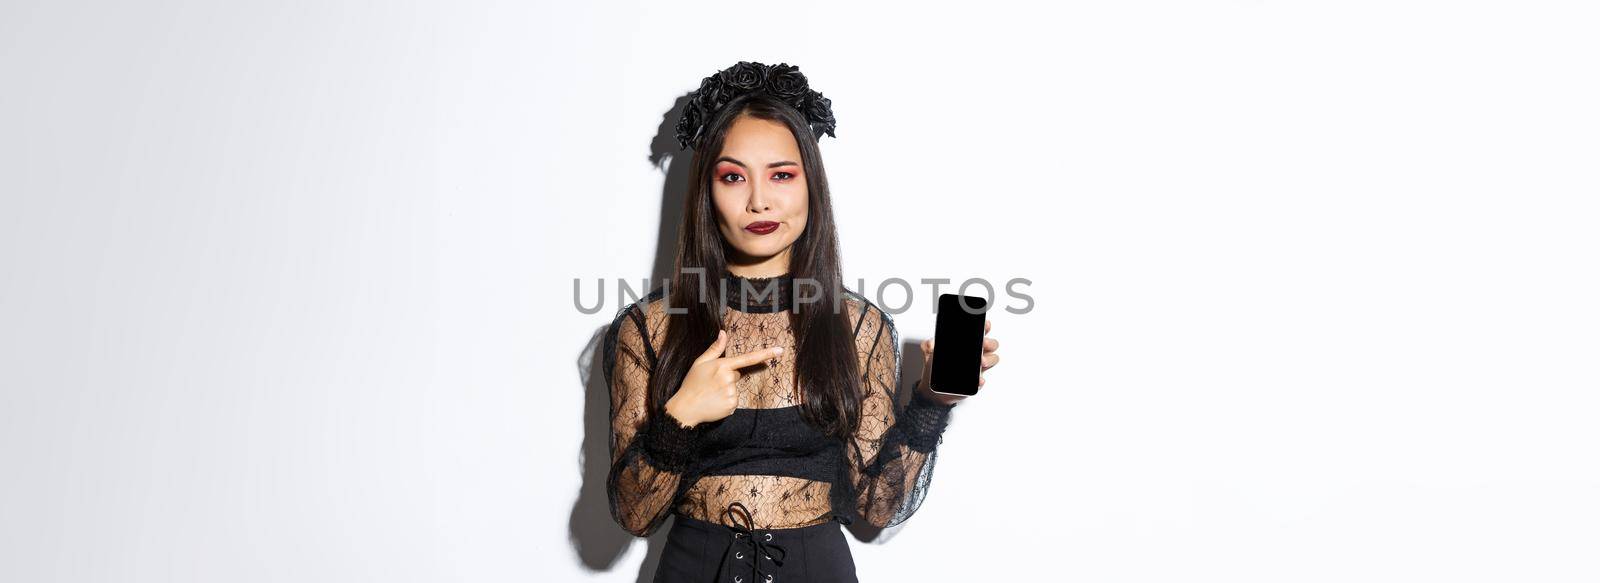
{"x":710,"y":389}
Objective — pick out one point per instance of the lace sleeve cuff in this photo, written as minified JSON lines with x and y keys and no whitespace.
{"x":925,"y":421}
{"x":670,"y":445}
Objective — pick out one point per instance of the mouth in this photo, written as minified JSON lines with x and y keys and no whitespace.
{"x":761,"y":227}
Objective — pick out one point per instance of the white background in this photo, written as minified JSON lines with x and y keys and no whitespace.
{"x":288,"y":286}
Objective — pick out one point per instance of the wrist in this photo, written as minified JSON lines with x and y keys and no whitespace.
{"x":925,"y":419}
{"x":678,"y":416}
{"x":928,"y":396}
{"x":670,"y":443}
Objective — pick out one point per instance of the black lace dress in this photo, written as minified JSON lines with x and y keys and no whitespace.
{"x":763,"y":473}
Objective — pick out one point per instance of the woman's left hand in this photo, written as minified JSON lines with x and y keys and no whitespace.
{"x":990,"y":359}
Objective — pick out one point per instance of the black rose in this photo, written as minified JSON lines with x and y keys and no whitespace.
{"x":744,"y":76}
{"x":785,"y":82}
{"x":819,"y":111}
{"x":711,"y":91}
{"x":689,"y":124}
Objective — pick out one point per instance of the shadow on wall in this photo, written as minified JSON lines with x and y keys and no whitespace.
{"x":596,"y":537}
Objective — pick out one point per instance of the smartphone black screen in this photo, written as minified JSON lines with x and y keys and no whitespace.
{"x":958,"y":344}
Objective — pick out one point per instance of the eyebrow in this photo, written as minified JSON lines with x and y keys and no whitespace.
{"x":772,"y":165}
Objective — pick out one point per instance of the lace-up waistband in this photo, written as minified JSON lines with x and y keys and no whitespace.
{"x":756,"y":555}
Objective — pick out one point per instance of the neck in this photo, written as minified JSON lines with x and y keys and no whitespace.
{"x":773,"y":266}
{"x":758,"y":294}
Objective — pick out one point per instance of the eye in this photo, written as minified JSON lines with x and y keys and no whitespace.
{"x":731,"y":174}
{"x":790,"y":175}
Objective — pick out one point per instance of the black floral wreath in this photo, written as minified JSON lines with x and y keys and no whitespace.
{"x":782,"y":81}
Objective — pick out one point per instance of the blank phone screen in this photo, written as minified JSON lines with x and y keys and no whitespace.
{"x":958,"y":344}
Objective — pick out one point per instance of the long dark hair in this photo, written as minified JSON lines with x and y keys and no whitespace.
{"x":825,"y":358}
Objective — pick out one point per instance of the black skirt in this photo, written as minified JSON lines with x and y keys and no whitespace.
{"x":703,"y":552}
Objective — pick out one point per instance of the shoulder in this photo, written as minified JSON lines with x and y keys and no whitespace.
{"x":633,"y":323}
{"x":640,"y":315}
{"x":867,"y":320}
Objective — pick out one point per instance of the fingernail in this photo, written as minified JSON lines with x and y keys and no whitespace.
{"x":780,"y":349}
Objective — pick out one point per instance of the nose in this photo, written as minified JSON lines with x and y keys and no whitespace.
{"x":758,"y":198}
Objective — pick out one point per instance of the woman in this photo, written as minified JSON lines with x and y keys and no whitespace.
{"x":754,"y":396}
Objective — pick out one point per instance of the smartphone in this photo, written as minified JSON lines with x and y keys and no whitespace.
{"x":958,"y":344}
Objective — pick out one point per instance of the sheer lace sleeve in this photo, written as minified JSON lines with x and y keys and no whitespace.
{"x":891,"y":459}
{"x":650,"y":453}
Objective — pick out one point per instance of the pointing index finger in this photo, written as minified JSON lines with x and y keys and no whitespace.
{"x":753,"y":357}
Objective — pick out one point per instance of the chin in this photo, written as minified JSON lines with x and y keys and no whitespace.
{"x":758,"y":254}
{"x":762,"y":250}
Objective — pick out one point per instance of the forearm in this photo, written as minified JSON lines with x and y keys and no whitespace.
{"x":890,"y":486}
{"x":646,"y":477}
